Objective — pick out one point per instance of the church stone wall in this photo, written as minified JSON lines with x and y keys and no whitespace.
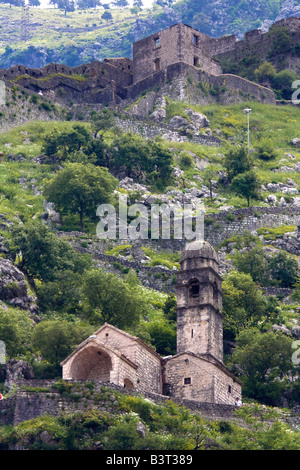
{"x":148,"y":373}
{"x":183,"y":368}
{"x":226,"y":389}
{"x":194,"y":378}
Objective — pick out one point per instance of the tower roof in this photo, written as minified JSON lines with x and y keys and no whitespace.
{"x":199,"y":249}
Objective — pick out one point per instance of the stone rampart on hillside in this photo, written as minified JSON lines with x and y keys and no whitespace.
{"x":149,"y":130}
{"x":221,"y":226}
{"x":258,"y":44}
{"x":186,"y":71}
{"x":36,"y":398}
{"x":218,"y":228}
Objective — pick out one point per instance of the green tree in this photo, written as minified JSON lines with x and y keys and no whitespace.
{"x":139,"y":157}
{"x":237,"y":160}
{"x":107,"y":298}
{"x":284,"y":269}
{"x":265,"y":72}
{"x":79,"y":189}
{"x":131,"y":152}
{"x":15,"y":331}
{"x":246,"y":184}
{"x":208,"y":178}
{"x":244,"y":305}
{"x":56,"y":339}
{"x":170,"y":307}
{"x":102,"y":122}
{"x":253,"y":262}
{"x":58,"y":145}
{"x":282,"y":83}
{"x":66,"y":5}
{"x":159,"y":165}
{"x":107,"y":16}
{"x":43,"y":254}
{"x":62,"y":294}
{"x":163,"y":336}
{"x":262,"y":361}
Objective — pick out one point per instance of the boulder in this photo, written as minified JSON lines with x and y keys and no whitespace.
{"x":140,"y":429}
{"x":17,"y":370}
{"x":193,"y":122}
{"x":160,"y":113}
{"x":282,"y":329}
{"x":178,"y":122}
{"x":53,"y":216}
{"x":296,"y":331}
{"x":271,"y":199}
{"x":296,"y":142}
{"x":198,"y":120}
{"x":282,"y":202}
{"x":13,"y":287}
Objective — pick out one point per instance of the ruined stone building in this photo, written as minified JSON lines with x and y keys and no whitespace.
{"x":197,"y":371}
{"x":178,"y":52}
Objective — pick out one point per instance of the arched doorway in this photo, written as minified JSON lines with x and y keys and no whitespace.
{"x":92,"y":363}
{"x":128,"y":384}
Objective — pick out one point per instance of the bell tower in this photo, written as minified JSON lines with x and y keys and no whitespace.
{"x":199,"y":302}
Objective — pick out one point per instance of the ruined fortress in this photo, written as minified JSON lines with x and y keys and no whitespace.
{"x":178,"y":52}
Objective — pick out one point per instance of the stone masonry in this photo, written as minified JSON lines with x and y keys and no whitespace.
{"x":176,"y":52}
{"x":197,"y":371}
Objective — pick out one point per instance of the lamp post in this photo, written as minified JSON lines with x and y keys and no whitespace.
{"x":248,"y":111}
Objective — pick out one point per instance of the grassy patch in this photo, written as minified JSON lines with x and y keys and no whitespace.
{"x":277,"y":232}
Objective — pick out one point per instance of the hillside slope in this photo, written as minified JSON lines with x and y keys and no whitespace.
{"x":82,"y":36}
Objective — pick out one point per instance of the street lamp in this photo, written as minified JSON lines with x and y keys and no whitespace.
{"x":248,"y":111}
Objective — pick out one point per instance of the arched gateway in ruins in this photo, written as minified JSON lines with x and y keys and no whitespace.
{"x":197,"y":371}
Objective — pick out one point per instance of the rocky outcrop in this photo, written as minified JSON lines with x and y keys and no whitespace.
{"x":13,"y":287}
{"x":17,"y":370}
{"x":193,"y":121}
{"x":288,"y":8}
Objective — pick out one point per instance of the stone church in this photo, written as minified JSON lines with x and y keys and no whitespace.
{"x":196,"y":372}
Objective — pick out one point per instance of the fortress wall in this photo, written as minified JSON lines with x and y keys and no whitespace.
{"x":122,"y":63}
{"x":234,"y":82}
{"x":102,"y":70}
{"x":181,"y":70}
{"x":292,"y":23}
{"x":221,"y":226}
{"x":223,"y":44}
{"x":262,"y":94}
{"x":258,"y":43}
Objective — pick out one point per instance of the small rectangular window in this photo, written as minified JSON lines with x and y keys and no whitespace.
{"x":195,"y":40}
{"x":187,"y":381}
{"x":157,"y":64}
{"x":196,"y":61}
{"x":157,"y":42}
{"x":229,"y":388}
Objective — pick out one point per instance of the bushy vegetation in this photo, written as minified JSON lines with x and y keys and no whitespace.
{"x":140,"y":424}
